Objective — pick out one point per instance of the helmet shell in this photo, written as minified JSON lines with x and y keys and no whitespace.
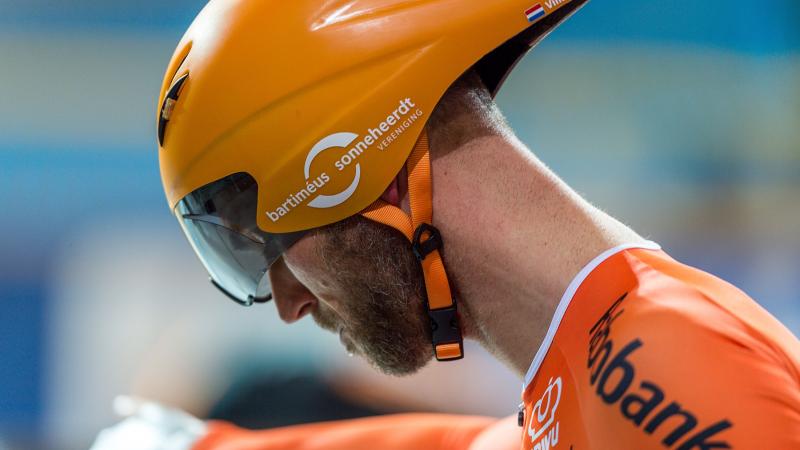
{"x":321,"y":102}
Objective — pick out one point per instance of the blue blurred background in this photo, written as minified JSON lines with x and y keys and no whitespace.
{"x":680,"y":118}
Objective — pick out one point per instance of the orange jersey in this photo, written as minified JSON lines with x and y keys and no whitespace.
{"x":642,"y":353}
{"x":647,"y":353}
{"x":400,"y":432}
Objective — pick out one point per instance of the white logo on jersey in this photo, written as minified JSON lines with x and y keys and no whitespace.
{"x":543,"y":416}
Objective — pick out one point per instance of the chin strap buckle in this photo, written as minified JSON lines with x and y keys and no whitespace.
{"x":448,"y":345}
{"x":447,"y":342}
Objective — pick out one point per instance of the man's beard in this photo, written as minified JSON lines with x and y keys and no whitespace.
{"x":383,"y":308}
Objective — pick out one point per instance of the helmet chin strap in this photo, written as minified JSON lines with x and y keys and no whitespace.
{"x":427,"y":245}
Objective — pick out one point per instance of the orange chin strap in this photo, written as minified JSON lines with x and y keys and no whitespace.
{"x":427,"y":242}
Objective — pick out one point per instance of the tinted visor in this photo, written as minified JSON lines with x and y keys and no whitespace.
{"x":220,"y":221}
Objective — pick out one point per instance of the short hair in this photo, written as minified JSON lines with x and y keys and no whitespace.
{"x":466,"y":111}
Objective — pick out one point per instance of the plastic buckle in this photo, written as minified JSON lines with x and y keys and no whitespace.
{"x":448,"y":344}
{"x":431,"y":244}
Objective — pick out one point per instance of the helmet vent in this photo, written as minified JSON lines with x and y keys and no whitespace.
{"x":168,"y":107}
{"x":176,"y":65}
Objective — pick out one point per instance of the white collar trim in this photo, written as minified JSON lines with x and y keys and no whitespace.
{"x":567,"y":298}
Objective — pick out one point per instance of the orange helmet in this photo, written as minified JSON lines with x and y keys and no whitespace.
{"x":277,"y":117}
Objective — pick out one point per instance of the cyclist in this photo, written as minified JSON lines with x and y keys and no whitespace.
{"x":347,"y":161}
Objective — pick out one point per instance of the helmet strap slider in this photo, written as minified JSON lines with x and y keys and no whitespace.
{"x":433,"y":241}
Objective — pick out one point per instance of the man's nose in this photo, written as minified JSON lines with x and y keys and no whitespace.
{"x":293,"y":309}
{"x":291,"y":297}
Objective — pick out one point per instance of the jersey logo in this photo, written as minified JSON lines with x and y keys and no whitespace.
{"x":543,"y":426}
{"x":613,"y":374}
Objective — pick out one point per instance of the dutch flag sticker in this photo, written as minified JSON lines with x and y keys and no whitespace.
{"x":535,"y":12}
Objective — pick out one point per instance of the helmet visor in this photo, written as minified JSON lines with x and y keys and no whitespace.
{"x":219,"y":220}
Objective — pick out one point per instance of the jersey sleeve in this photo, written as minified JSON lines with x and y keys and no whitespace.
{"x":673,"y":370}
{"x":408,"y":431}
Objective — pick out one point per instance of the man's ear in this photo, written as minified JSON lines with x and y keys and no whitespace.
{"x":397,"y":192}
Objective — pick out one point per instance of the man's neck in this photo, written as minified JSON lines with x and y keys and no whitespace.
{"x":514,"y":237}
